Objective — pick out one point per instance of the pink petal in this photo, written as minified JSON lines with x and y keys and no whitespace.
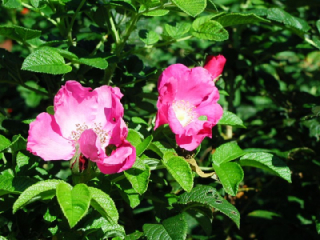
{"x":195,"y":86}
{"x":176,"y":71}
{"x":178,"y":82}
{"x":162,"y":115}
{"x":109,"y":105}
{"x":90,"y":145}
{"x":213,"y":112}
{"x":119,"y":132}
{"x":45,"y":139}
{"x":189,"y":142}
{"x":74,"y":104}
{"x":215,"y":65}
{"x":174,"y":123}
{"x":120,"y":159}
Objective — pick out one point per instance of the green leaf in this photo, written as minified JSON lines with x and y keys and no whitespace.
{"x":138,"y":176}
{"x":46,"y":60}
{"x":180,"y":170}
{"x":134,"y":137}
{"x":178,"y":30}
{"x":134,"y":236}
{"x":40,"y":190}
{"x":11,"y":3}
{"x":231,"y":19}
{"x":19,"y":33}
{"x":21,"y":160}
{"x":191,"y":7}
{"x":230,"y":175}
{"x":173,"y":228}
{"x":138,"y":120}
{"x":151,"y":4}
{"x":14,"y":185}
{"x":128,"y":193}
{"x":263,"y":214}
{"x":35,"y":3}
{"x":267,"y":162}
{"x":108,"y":228}
{"x":203,"y":118}
{"x":229,"y":118}
{"x":18,"y":143}
{"x":156,"y":13}
{"x":4,"y":143}
{"x":104,"y":204}
{"x":201,"y":20}
{"x":210,"y":30}
{"x":50,"y":110}
{"x":209,"y":196}
{"x":149,"y":37}
{"x":31,"y":98}
{"x":144,"y":145}
{"x":282,"y":16}
{"x":74,"y":202}
{"x":48,"y":216}
{"x":64,"y":53}
{"x":160,"y":148}
{"x":226,"y":152}
{"x":318,"y":25}
{"x":94,"y":62}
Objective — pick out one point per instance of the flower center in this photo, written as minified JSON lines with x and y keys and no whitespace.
{"x":102,"y":134}
{"x":184,"y":111}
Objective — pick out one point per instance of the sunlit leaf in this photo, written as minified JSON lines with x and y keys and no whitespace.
{"x":74,"y":202}
{"x":230,"y":175}
{"x":41,"y":190}
{"x":174,"y":228}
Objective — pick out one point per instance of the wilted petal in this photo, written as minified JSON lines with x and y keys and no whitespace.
{"x":45,"y":139}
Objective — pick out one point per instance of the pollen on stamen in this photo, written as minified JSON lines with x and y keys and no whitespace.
{"x":97,"y":128}
{"x":100,"y":132}
{"x":79,"y":129}
{"x":184,"y":112}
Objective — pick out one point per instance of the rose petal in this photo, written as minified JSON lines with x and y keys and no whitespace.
{"x":176,"y":71}
{"x":74,"y":104}
{"x":120,"y":159}
{"x":215,"y":65}
{"x":45,"y":139}
{"x":195,"y":86}
{"x":189,"y":142}
{"x":90,"y":145}
{"x":109,"y":105}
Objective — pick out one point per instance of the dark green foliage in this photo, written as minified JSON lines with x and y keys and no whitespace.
{"x":264,"y":152}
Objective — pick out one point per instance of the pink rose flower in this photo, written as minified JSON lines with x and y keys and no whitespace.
{"x":85,"y":122}
{"x":215,"y":65}
{"x":188,"y":103}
